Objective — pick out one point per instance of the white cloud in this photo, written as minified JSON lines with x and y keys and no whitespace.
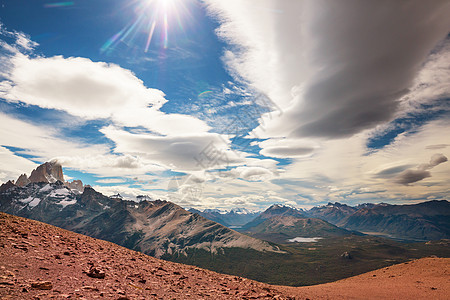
{"x":341,"y":168}
{"x":42,"y":142}
{"x":45,"y":143}
{"x":91,"y":90}
{"x":255,"y":173}
{"x":181,"y":153}
{"x":127,"y":192}
{"x":286,"y":148}
{"x":111,"y":180}
{"x":13,"y":166}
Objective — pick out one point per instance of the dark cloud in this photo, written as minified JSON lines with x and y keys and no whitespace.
{"x":389,"y":172}
{"x":437,"y":159}
{"x":369,"y":52}
{"x":410,"y":176}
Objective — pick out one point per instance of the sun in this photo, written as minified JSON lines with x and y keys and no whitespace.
{"x":151,"y":16}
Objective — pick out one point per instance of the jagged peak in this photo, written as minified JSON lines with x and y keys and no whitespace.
{"x":116,"y":196}
{"x":282,"y":205}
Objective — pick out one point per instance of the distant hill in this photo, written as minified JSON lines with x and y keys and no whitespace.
{"x":234,"y":218}
{"x":272,"y":211}
{"x":424,"y":221}
{"x":332,"y":212}
{"x":280,"y":223}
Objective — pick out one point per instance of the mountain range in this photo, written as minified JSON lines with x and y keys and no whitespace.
{"x":234,"y":218}
{"x":281,"y":223}
{"x":423,"y":221}
{"x":152,"y":227}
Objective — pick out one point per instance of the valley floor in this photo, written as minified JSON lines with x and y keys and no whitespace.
{"x":40,"y":261}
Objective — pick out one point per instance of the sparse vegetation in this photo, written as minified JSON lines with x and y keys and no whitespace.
{"x":313,"y":263}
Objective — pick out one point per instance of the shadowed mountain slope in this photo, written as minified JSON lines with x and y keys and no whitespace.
{"x":153,"y":227}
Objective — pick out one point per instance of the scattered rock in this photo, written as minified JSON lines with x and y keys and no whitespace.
{"x":94,"y":272}
{"x":90,"y":288}
{"x":42,"y":285}
{"x":346,"y":255}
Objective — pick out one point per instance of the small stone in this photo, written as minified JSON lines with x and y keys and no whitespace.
{"x":42,"y":285}
{"x":346,"y":255}
{"x":95,"y":273}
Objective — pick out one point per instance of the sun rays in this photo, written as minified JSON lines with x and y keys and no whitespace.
{"x":154,"y":22}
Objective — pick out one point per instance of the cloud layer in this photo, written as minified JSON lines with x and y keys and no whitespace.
{"x":91,"y":90}
{"x":335,"y":68}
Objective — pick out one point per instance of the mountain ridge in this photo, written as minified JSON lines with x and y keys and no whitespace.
{"x":153,"y":227}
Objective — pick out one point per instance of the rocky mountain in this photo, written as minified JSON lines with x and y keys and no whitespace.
{"x":152,"y":227}
{"x":281,"y":223}
{"x":280,"y":229}
{"x":49,"y":172}
{"x":272,"y":211}
{"x":234,"y":218}
{"x":424,"y":221}
{"x":333,"y":213}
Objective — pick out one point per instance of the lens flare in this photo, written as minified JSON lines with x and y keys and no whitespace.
{"x":151,"y":17}
{"x":58,"y":4}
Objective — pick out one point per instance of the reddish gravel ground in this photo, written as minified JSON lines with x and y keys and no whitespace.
{"x":40,"y":261}
{"x":426,"y":278}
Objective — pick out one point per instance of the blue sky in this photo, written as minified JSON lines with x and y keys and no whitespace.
{"x":222,"y":104}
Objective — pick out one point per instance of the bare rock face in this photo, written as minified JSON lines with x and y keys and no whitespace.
{"x":6,"y":186}
{"x":42,"y":285}
{"x":75,"y":185}
{"x":49,"y":172}
{"x":22,"y":180}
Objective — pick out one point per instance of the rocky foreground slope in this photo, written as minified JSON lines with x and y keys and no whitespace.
{"x":43,"y":261}
{"x":40,"y":261}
